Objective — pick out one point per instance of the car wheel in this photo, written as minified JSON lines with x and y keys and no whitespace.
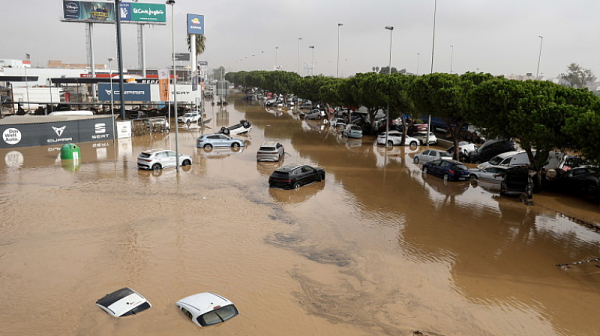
{"x":425,"y":170}
{"x":323,"y":176}
{"x":446,"y":177}
{"x":156,"y":166}
{"x":235,"y":145}
{"x":413,"y":144}
{"x":188,"y":123}
{"x":390,"y":143}
{"x":473,"y":177}
{"x":208,"y":146}
{"x":416,"y":159}
{"x":297,"y":185}
{"x":186,"y":163}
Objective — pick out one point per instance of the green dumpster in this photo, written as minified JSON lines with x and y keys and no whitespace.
{"x":70,"y":152}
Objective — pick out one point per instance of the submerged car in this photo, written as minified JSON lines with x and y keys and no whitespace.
{"x":208,"y":141}
{"x":156,"y":159}
{"x":394,"y":138}
{"x":206,"y":309}
{"x":293,"y":176}
{"x":490,"y":174}
{"x":123,"y":302}
{"x":490,"y":149}
{"x":430,"y":155}
{"x":449,"y":170}
{"x":352,"y":131}
{"x":243,"y":127}
{"x":516,"y":182}
{"x":422,"y":137}
{"x":189,"y":118}
{"x":270,"y":151}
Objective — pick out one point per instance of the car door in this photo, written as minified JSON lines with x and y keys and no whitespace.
{"x":442,"y":168}
{"x":224,"y":141}
{"x":434,"y":167}
{"x":170,"y":159}
{"x":424,"y":157}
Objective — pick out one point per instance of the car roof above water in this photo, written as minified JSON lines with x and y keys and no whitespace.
{"x":289,"y":167}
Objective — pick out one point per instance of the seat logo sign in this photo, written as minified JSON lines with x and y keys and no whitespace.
{"x":59,"y":130}
{"x":100,"y":128}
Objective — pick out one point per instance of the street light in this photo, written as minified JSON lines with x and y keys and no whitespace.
{"x":299,"y":39}
{"x":337,"y":72}
{"x":451,"y":57}
{"x":172,"y":3}
{"x":433,"y":39}
{"x":539,"y":57}
{"x":312,"y":66}
{"x":276,"y":60}
{"x":112,"y":92}
{"x":387,"y":114}
{"x":418,"y":61}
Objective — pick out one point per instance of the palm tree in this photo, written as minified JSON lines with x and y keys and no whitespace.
{"x":200,"y":43}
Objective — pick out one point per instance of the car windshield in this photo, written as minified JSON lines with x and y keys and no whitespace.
{"x":495,"y":160}
{"x":187,"y":115}
{"x":218,"y":315}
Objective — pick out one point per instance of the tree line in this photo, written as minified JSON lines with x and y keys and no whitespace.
{"x":541,"y":116}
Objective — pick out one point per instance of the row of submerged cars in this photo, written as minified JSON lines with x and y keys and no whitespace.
{"x":510,"y":169}
{"x":203,"y":309}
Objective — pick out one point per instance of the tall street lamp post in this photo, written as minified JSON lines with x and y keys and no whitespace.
{"x":431,"y":70}
{"x":451,"y":56}
{"x":539,"y":57}
{"x":418,"y":61}
{"x":172,"y":3}
{"x":299,"y":39}
{"x":387,"y":115}
{"x":112,"y":113}
{"x":312,"y":66}
{"x":337,"y":71}
{"x":276,"y":58}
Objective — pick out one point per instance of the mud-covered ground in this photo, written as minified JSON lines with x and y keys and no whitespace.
{"x":378,"y":248}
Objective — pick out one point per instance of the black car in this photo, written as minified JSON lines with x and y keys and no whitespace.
{"x":295,"y":175}
{"x":490,"y":149}
{"x":581,"y":181}
{"x":516,"y":182}
{"x":450,"y":170}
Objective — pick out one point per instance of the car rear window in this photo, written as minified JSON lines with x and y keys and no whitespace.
{"x":145,"y":155}
{"x":281,"y":175}
{"x":218,"y":315}
{"x":267,"y":149}
{"x":460,"y":167}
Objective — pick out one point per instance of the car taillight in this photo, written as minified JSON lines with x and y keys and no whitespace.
{"x":147,"y":160}
{"x":451,"y":171}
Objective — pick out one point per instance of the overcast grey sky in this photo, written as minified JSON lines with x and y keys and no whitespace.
{"x":496,"y":36}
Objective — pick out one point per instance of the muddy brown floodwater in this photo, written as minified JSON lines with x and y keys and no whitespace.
{"x":376,"y":249}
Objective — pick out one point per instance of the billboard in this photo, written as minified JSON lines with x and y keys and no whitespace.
{"x":133,"y":92}
{"x":182,"y":56}
{"x":143,"y":12}
{"x":195,"y":24}
{"x":56,"y":132}
{"x":89,"y":11}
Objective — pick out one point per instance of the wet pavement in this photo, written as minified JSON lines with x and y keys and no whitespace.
{"x":378,"y":248}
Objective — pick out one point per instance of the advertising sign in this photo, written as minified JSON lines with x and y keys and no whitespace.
{"x":97,"y":12}
{"x":182,"y":57}
{"x":195,"y":24}
{"x":56,"y":132}
{"x":143,"y":12}
{"x":133,"y":92}
{"x":163,"y":84}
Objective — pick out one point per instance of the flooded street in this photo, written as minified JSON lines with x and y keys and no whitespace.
{"x":378,"y":248}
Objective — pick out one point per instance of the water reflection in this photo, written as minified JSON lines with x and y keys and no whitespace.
{"x":296,"y":196}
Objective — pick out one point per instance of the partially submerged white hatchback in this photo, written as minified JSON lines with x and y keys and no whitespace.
{"x":123,"y":302}
{"x":206,"y":309}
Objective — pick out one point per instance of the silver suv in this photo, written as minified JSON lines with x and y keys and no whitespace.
{"x":270,"y":151}
{"x":156,"y":159}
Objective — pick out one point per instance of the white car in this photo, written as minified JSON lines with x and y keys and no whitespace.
{"x":395,"y":138}
{"x":123,"y":302}
{"x":243,"y":127}
{"x":270,"y":151}
{"x":189,"y":118}
{"x":206,"y":309}
{"x":422,"y":137}
{"x":338,"y":123}
{"x":157,"y":159}
{"x":493,"y":174}
{"x":430,"y":155}
{"x":464,"y":148}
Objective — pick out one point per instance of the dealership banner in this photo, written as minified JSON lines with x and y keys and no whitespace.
{"x":163,"y":84}
{"x":195,"y":24}
{"x":143,"y":12}
{"x":56,"y":132}
{"x":133,"y":92}
{"x":89,"y":11}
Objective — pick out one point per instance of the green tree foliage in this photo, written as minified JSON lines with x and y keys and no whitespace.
{"x":309,"y":87}
{"x":577,"y":77}
{"x":441,"y":95}
{"x":395,"y":88}
{"x":219,"y":73}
